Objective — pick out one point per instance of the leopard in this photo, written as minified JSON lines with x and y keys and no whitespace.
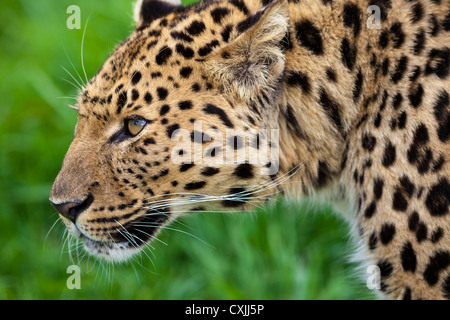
{"x":227,"y":105}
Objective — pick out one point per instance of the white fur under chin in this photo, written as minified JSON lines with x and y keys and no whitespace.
{"x":110,"y":251}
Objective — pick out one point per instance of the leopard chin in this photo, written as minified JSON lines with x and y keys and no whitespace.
{"x":111,"y":251}
{"x":116,"y":249}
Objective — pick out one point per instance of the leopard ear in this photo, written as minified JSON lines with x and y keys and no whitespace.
{"x":253,"y":63}
{"x":145,"y":11}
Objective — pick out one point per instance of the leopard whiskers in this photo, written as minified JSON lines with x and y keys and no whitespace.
{"x":151,"y":224}
{"x":127,"y":235}
{"x":51,"y":228}
{"x":132,"y":238}
{"x":81,"y":81}
{"x":77,"y":84}
{"x":252,"y":195}
{"x":150,"y":235}
{"x":276,"y":182}
{"x":65,"y":235}
{"x":82,"y":50}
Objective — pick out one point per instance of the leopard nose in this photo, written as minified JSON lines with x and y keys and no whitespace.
{"x":72,"y":209}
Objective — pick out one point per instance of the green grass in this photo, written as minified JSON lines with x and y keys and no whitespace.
{"x":284,"y":252}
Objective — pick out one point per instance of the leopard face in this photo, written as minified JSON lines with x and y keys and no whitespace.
{"x":159,"y":135}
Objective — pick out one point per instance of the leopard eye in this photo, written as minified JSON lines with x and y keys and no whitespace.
{"x":134,"y":126}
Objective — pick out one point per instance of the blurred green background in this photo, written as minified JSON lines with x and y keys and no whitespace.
{"x":284,"y":252}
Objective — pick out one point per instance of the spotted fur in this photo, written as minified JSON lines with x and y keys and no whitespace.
{"x":361,"y":112}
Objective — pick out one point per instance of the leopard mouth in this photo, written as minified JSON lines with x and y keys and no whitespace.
{"x":124,"y":240}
